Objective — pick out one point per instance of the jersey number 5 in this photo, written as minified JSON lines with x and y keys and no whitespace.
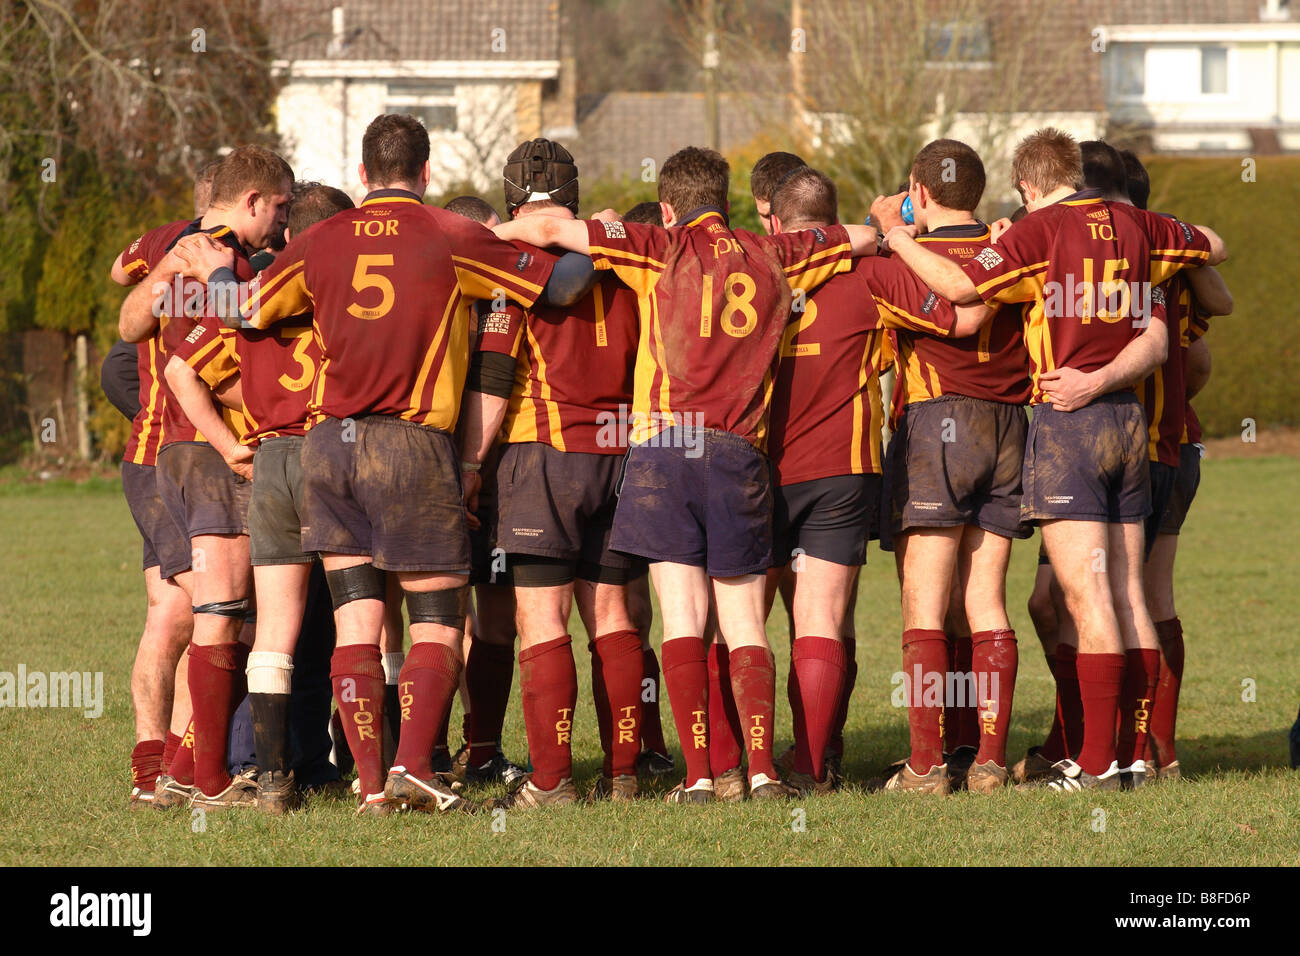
{"x":363,"y":279}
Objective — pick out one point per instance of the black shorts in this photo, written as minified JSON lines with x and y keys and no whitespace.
{"x":166,"y":547}
{"x":558,"y":507}
{"x":387,"y":488}
{"x":827,"y":518}
{"x":275,"y":512}
{"x":1162,"y":486}
{"x":1089,"y":464}
{"x":1184,"y":489}
{"x":200,"y":491}
{"x":956,"y":460}
{"x":703,"y":499}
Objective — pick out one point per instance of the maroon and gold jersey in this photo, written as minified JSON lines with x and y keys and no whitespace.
{"x":386,"y":284}
{"x":1086,"y":267}
{"x":277,"y":369}
{"x":1164,"y":391}
{"x":1198,"y":323}
{"x":573,"y":377}
{"x":713,"y":307}
{"x":204,"y":343}
{"x":147,"y":427}
{"x":991,"y":364}
{"x":826,"y":406}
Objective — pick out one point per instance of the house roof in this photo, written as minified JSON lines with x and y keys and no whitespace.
{"x":617,"y":131}
{"x":424,"y":30}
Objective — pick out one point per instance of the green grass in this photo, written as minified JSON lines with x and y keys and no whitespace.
{"x":73,"y":599}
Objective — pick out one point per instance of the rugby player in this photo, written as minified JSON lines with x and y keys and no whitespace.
{"x":1192,"y":297}
{"x":490,"y":653}
{"x":714,"y":303}
{"x":159,"y":693}
{"x":953,"y":496}
{"x":770,"y":170}
{"x":277,"y":370}
{"x":382,"y":485}
{"x":1085,"y":480}
{"x":558,"y":383}
{"x":203,"y":471}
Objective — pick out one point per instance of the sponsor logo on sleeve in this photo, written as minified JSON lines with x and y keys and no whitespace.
{"x":195,"y":334}
{"x":1158,"y":295}
{"x":821,"y":236}
{"x":989,"y":259}
{"x":931,"y":301}
{"x":1187,"y":231}
{"x":524,"y":261}
{"x":614,"y":230}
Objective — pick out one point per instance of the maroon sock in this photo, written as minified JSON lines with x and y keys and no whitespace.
{"x":357,"y":673}
{"x":753,"y":685}
{"x":211,"y":680}
{"x":966,"y":732}
{"x":182,"y":763}
{"x":820,"y":666}
{"x":146,"y":764}
{"x":652,"y":728}
{"x":798,"y":723}
{"x":1100,"y":678}
{"x":426,"y":686}
{"x":994,"y":662}
{"x":169,"y":751}
{"x":489,"y":672}
{"x":1137,"y":694}
{"x":724,"y":721}
{"x":620,"y":662}
{"x":1164,"y":715}
{"x":686,"y":675}
{"x":836,"y":744}
{"x":1064,"y":737}
{"x":925,"y":660}
{"x":438,"y":741}
{"x":604,"y":722}
{"x":548,"y":682}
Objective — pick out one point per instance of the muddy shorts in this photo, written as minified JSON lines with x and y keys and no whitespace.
{"x":387,"y":488}
{"x":703,"y":499}
{"x":200,"y":491}
{"x":828,"y":518}
{"x":1183,"y":491}
{"x":1089,"y":464}
{"x":954,"y":461}
{"x":558,"y":507}
{"x":166,"y":547}
{"x":274,"y":514}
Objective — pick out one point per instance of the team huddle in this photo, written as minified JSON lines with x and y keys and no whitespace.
{"x":341,"y":409}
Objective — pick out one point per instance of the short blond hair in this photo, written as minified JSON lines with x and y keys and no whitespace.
{"x":1048,"y":159}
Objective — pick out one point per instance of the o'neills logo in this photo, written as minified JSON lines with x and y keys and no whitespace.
{"x":944,"y":689}
{"x":78,"y":909}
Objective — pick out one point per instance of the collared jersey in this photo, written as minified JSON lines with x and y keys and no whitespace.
{"x":387,"y":285}
{"x":826,"y":407}
{"x":713,"y":304}
{"x":1086,"y":267}
{"x":573,"y":377}
{"x":991,"y":364}
{"x":202,"y":342}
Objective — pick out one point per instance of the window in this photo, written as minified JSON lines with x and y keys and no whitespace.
{"x":1130,"y":69}
{"x":1214,"y":69}
{"x":958,"y":42}
{"x":433,"y":104}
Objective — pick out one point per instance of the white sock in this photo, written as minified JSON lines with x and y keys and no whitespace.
{"x":269,"y":673}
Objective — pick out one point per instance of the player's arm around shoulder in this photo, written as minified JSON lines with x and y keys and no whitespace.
{"x":940,"y":273}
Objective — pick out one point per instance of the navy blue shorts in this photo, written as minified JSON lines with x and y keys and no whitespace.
{"x":166,"y":546}
{"x":1183,"y":491}
{"x":706,"y":502}
{"x":1089,"y":464}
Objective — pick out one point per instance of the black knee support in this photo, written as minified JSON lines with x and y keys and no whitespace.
{"x":241,"y":609}
{"x":446,"y":607}
{"x":360,"y":582}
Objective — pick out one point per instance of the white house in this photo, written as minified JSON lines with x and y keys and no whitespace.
{"x":482,"y":76}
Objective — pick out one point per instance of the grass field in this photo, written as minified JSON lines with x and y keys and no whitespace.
{"x":72,"y":599}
